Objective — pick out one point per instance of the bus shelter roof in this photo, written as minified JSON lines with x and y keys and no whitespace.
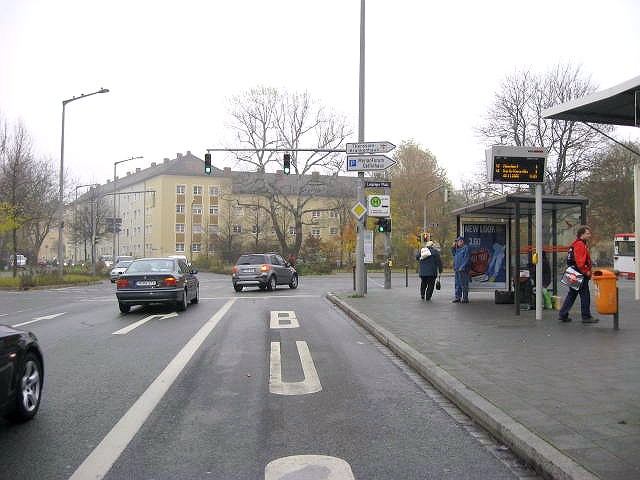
{"x":504,"y":206}
{"x":619,"y":105}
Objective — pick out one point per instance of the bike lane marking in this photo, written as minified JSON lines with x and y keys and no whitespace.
{"x":102,"y":458}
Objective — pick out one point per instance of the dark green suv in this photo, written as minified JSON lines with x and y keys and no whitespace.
{"x":263,"y":270}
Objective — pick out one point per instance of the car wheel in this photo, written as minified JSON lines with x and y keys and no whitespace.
{"x":181,"y":305}
{"x":237,"y":288}
{"x":294,"y":282}
{"x":29,"y":389}
{"x":272,"y":283}
{"x":124,"y":308}
{"x":262,"y":287}
{"x":196,"y":298}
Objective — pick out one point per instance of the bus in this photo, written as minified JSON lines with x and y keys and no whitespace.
{"x":624,"y":259}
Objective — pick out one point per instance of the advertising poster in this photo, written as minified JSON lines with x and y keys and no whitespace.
{"x":488,"y":245}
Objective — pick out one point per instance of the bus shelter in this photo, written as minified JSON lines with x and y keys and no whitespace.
{"x":501,"y":231}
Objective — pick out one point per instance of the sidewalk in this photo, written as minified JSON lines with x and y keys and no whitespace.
{"x":564,"y":396}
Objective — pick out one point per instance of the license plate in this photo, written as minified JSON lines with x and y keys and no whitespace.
{"x":249,"y":270}
{"x":146,"y":283}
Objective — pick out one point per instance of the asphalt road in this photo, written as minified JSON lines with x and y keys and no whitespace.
{"x":226,"y":390}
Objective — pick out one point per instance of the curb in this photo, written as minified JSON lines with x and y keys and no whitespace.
{"x":543,"y":457}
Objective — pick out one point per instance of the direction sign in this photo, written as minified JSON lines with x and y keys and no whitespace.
{"x":357,"y":163}
{"x":370,"y":184}
{"x":369,"y":147}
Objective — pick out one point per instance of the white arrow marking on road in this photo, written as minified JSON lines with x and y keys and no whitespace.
{"x":283,"y":319}
{"x":37,"y":319}
{"x":311,"y":382}
{"x":133,"y":326}
{"x":101,"y":459}
{"x":310,"y":467}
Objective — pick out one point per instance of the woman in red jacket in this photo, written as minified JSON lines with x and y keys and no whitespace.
{"x":582,"y":262}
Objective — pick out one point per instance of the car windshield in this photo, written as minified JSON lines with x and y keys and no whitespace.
{"x":152,"y":265}
{"x":251,"y":259}
{"x":124,"y":264}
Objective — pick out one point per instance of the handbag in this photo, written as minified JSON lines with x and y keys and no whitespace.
{"x":438,"y":286}
{"x":572,"y":278}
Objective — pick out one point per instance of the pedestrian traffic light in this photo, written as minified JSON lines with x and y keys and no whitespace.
{"x":286,"y":164}
{"x":383,"y":225}
{"x":207,"y":163}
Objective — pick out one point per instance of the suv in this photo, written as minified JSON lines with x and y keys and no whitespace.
{"x":264,"y":270}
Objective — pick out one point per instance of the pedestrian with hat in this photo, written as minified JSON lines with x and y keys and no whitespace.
{"x":461,"y":266}
{"x":430,"y":266}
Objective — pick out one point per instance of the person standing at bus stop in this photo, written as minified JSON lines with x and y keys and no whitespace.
{"x":461,"y":265}
{"x":579,"y":258}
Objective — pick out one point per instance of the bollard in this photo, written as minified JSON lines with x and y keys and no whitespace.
{"x":354,"y":277}
{"x":406,"y":276}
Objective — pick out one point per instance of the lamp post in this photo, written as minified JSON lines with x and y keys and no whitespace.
{"x":113,"y":220}
{"x":424,"y":211}
{"x":75,"y":220}
{"x":61,"y":190}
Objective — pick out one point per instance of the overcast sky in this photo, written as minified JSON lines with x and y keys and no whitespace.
{"x":432,"y":68}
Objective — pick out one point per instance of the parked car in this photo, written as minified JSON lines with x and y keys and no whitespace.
{"x":120,"y":258}
{"x":158,"y":280}
{"x":119,"y":269}
{"x":21,"y":374}
{"x":264,"y":270}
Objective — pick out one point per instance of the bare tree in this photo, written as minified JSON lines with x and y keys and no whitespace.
{"x":266,"y":119}
{"x":516,"y":118}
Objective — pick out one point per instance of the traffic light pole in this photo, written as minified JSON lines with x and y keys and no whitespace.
{"x":361,"y":277}
{"x":387,"y":248}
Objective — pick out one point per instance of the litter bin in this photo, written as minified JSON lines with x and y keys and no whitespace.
{"x":606,"y":291}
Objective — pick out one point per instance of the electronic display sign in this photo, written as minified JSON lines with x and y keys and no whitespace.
{"x":510,"y":164}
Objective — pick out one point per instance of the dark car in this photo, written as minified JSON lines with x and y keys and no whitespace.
{"x":158,"y":280}
{"x":21,"y":374}
{"x":263,"y":270}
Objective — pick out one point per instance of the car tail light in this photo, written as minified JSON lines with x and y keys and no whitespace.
{"x":169,"y":282}
{"x":265,"y":268}
{"x":122,"y":283}
{"x":235,"y":269}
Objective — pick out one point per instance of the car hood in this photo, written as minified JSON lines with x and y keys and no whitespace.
{"x":7,"y":330}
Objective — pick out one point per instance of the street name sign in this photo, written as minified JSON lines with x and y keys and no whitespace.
{"x":369,"y":147}
{"x":370,"y":184}
{"x":358,"y":163}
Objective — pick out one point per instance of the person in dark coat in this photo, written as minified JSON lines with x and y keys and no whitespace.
{"x":430,"y":267}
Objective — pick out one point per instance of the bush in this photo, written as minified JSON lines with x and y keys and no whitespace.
{"x":314,"y":268}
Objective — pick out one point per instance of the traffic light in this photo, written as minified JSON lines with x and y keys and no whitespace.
{"x":425,"y":237}
{"x":286,"y":164}
{"x":207,"y":163}
{"x":383,"y":225}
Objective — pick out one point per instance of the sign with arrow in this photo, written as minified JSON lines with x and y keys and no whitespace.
{"x":369,"y":147}
{"x":359,"y":163}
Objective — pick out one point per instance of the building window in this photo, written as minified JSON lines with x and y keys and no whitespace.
{"x":179,"y":208}
{"x":213,"y":210}
{"x":196,"y":209}
{"x":179,"y":247}
{"x":333,"y":231}
{"x":333,"y":214}
{"x":197,"y":189}
{"x":179,"y":227}
{"x":292,"y":230}
{"x":238,"y":211}
{"x":255,"y":229}
{"x":214,"y":229}
{"x":213,"y":191}
{"x":197,"y":228}
{"x":315,"y":232}
{"x":315,"y":213}
{"x":237,"y":229}
{"x":195,"y":247}
{"x":180,"y":189}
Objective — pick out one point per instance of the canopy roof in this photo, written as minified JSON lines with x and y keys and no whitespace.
{"x":504,"y":206}
{"x":619,"y":105}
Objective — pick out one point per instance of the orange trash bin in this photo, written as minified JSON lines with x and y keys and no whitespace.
{"x":606,"y":291}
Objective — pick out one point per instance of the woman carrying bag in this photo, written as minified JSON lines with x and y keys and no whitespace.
{"x":430,"y":267}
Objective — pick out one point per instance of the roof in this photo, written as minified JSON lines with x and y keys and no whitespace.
{"x":504,"y":206}
{"x":619,"y":105}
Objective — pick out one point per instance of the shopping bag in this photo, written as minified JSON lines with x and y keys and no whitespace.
{"x":572,"y":278}
{"x":438,"y":284}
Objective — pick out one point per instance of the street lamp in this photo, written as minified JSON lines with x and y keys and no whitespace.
{"x":113,"y":220}
{"x":61,"y":190}
{"x":75,"y":220}
{"x":424,"y":211}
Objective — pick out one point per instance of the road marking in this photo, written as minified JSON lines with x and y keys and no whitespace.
{"x":309,"y":467}
{"x":311,"y":382}
{"x":244,"y":296}
{"x":102,"y":458}
{"x":37,"y":319}
{"x":133,"y":326}
{"x":283,"y":319}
